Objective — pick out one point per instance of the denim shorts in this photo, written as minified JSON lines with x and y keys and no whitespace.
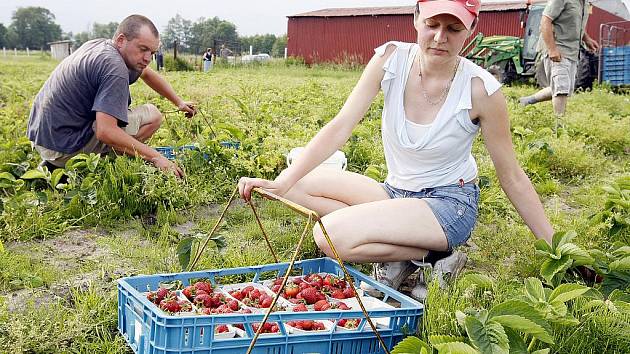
{"x":454,"y":206}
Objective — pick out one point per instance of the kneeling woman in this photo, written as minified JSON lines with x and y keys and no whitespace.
{"x":435,"y":104}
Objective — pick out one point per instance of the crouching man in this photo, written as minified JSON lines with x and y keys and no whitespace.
{"x":83,"y":107}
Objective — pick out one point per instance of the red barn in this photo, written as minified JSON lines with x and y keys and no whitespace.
{"x":350,"y":35}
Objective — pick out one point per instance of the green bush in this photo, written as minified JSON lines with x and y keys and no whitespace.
{"x":179,"y":64}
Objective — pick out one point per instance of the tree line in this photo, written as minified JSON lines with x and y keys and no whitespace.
{"x":34,"y":27}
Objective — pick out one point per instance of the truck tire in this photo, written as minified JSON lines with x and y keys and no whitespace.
{"x":586,"y":70}
{"x":504,"y":71}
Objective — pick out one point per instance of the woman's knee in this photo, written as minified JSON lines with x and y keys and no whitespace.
{"x":342,"y":245}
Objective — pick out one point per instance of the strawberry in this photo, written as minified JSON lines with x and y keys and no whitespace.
{"x":276,"y":288}
{"x":310,"y":295}
{"x":300,"y":308}
{"x":170,"y":305}
{"x":342,"y":306}
{"x":349,"y":323}
{"x":291,"y":290}
{"x":319,"y":305}
{"x":318,"y":326}
{"x":203,"y":300}
{"x":307,"y":325}
{"x":237,"y":295}
{"x":265,"y":301}
{"x":233,"y":304}
{"x":338,"y":294}
{"x":189,"y":292}
{"x":203,"y":285}
{"x":221,"y":329}
{"x":316,"y":281}
{"x":348,"y":292}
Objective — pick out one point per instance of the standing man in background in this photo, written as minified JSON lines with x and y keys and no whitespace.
{"x":83,"y":107}
{"x":562,"y":29}
{"x":159,"y":58}
{"x":225,"y":53}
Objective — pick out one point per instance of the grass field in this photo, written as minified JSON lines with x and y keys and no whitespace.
{"x":62,"y":246}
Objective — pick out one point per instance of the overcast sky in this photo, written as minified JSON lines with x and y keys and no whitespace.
{"x":250,"y":17}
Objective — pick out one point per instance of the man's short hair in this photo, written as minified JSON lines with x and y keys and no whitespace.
{"x":132,"y":25}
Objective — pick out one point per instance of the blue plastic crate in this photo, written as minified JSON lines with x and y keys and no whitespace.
{"x":616,"y":65}
{"x":149,"y":330}
{"x":171,"y":152}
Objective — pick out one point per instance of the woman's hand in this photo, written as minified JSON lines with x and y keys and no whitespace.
{"x":246,"y":184}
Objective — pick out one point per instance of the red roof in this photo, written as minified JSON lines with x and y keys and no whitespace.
{"x":506,"y":5}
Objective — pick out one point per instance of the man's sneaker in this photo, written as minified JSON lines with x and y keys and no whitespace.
{"x":391,"y":274}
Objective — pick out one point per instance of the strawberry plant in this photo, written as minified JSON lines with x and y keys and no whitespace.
{"x":560,"y":256}
{"x":614,"y":267}
{"x":616,"y":211}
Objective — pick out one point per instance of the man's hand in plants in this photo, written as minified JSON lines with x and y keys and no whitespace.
{"x":165,"y":165}
{"x":190,"y":108}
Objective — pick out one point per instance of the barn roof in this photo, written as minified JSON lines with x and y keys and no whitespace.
{"x":506,"y":5}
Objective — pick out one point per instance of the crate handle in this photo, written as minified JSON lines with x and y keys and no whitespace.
{"x":312,"y":217}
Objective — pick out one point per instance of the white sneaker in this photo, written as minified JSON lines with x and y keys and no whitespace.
{"x":393,"y":274}
{"x":449,"y":266}
{"x":419,"y":291}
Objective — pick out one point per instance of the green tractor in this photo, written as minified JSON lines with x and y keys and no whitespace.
{"x":512,"y":59}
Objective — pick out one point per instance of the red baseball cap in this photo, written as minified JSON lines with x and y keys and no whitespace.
{"x":465,"y":10}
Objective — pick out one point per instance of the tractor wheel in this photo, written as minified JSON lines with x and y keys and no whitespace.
{"x":504,"y":71}
{"x":586,"y":70}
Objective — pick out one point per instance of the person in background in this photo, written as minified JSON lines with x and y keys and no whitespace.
{"x":83,"y":107}
{"x":562,"y":30}
{"x":208,"y":60}
{"x":225,"y":53}
{"x":159,"y":58}
{"x":435,"y":104}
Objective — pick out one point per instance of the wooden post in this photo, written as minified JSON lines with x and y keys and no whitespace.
{"x":285,"y":52}
{"x":28,"y":53}
{"x":175,"y":49}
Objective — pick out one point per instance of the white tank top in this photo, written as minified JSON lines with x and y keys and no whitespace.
{"x":441,"y":155}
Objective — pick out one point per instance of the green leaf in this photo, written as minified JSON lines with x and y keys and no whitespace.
{"x":480,"y":281}
{"x":579,"y":255}
{"x":524,"y":325}
{"x":543,"y":246}
{"x":551,"y":267}
{"x":542,"y":351}
{"x":517,"y":344}
{"x":439,"y":339}
{"x":540,"y":328}
{"x":56,"y":176}
{"x":534,"y":289}
{"x":33,"y":174}
{"x":8,"y":176}
{"x":373,"y":171}
{"x":560,"y":238}
{"x":184,"y":249}
{"x":566,"y":292}
{"x":410,"y":344}
{"x":232,"y":130}
{"x":455,"y":348}
{"x":490,"y":337}
{"x":620,"y":265}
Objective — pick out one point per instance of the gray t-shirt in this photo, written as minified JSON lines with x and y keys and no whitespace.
{"x":93,"y":79}
{"x":569,"y":19}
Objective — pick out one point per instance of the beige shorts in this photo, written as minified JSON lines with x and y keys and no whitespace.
{"x":560,"y":75}
{"x":137,"y":117}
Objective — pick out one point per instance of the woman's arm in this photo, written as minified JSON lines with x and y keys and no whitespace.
{"x":495,"y":128}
